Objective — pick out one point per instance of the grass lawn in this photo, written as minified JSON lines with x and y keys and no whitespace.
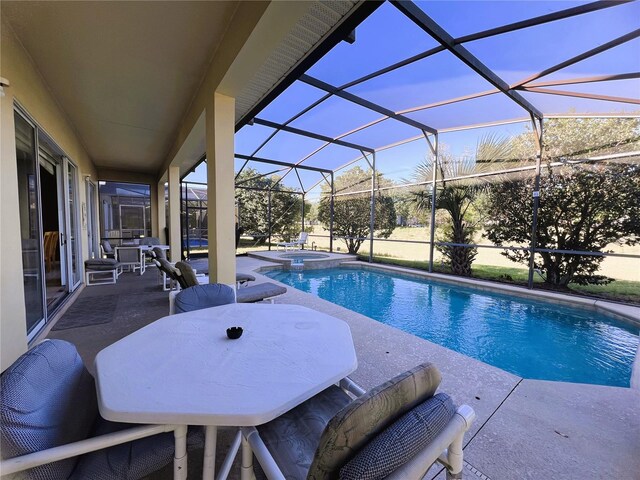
{"x":619,"y":290}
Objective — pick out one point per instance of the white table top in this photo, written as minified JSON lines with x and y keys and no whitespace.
{"x":183,"y":369}
{"x":151,"y":247}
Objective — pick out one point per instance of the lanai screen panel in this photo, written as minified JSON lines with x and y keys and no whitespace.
{"x":289,"y":147}
{"x":397,"y":69}
{"x":515,"y":56}
{"x":384,"y":38}
{"x":438,"y":77}
{"x":481,"y":110}
{"x":383,"y":133}
{"x":250,"y":137}
{"x":462,"y":18}
{"x":335,"y":117}
{"x":291,"y":102}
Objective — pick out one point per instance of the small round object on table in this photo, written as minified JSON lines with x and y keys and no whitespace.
{"x":234,"y":332}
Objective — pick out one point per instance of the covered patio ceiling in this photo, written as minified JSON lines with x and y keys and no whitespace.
{"x":425,"y":68}
{"x":127,"y":75}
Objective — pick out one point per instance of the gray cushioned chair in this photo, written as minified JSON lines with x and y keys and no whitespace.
{"x":159,"y":252}
{"x":172,"y":272}
{"x":48,"y":399}
{"x":107,"y":249}
{"x":188,"y":274}
{"x":132,"y":257}
{"x":203,"y":296}
{"x":106,"y":269}
{"x":395,"y":431}
{"x":260,"y":292}
{"x":243,"y":279}
{"x":150,"y":241}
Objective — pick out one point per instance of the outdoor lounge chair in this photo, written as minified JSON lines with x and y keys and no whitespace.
{"x":107,"y":249}
{"x":188,"y":274}
{"x":266,"y":291}
{"x":395,"y":431}
{"x":48,"y":400}
{"x":171,"y":272}
{"x":101,"y":271}
{"x":132,"y":257}
{"x":159,"y":252}
{"x":243,"y":279}
{"x":203,"y":296}
{"x":149,"y":241}
{"x":297,"y":244}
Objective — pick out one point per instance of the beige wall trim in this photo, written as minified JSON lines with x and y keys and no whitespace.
{"x":161,"y":213}
{"x":220,"y":188}
{"x":175,"y":235}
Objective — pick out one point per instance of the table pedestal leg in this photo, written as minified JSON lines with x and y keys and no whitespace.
{"x":209,"y":466}
{"x":180,"y":455}
{"x":246,"y":471}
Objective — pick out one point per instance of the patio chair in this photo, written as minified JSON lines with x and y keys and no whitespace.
{"x":297,"y":244}
{"x":107,"y":249}
{"x":203,"y":296}
{"x":159,"y":252}
{"x":101,"y":271}
{"x":188,"y":274}
{"x":51,"y":429}
{"x":50,"y":249}
{"x":397,"y":430}
{"x":171,"y":272}
{"x":132,"y":257}
{"x":266,"y":291}
{"x":243,"y":279}
{"x":149,"y":241}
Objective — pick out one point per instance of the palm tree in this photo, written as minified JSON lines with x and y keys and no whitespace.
{"x":457,"y":196}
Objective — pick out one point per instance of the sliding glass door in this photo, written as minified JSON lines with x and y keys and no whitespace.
{"x":30,"y":222}
{"x":71,"y":213}
{"x":92,"y":225}
{"x":49,"y":223}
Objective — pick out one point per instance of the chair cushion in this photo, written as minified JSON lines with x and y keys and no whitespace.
{"x":160,"y":253}
{"x":106,"y":246}
{"x":128,"y":254}
{"x":47,"y":398}
{"x":203,"y":296}
{"x":244,"y":277}
{"x":187,"y":273}
{"x":259,"y":292}
{"x":150,"y":241}
{"x":368,"y":415}
{"x":293,"y":437}
{"x":401,"y":441}
{"x":132,"y":460}
{"x":101,"y":264}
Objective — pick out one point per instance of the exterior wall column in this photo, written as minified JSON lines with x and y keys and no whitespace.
{"x":174,"y":214}
{"x":220,"y":130}
{"x":161,"y":212}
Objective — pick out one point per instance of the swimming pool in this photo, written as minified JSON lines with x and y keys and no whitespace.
{"x":532,"y":339}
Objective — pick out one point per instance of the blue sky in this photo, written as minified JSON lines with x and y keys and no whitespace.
{"x":387,"y":36}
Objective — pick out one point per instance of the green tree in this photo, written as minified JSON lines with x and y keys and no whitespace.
{"x":583,"y":207}
{"x":460,"y":199}
{"x":253,"y":206}
{"x":351,"y":219}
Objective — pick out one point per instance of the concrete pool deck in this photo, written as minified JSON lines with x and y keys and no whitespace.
{"x":524,"y":428}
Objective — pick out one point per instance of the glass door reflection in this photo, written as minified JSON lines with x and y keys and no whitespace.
{"x":30,"y":226}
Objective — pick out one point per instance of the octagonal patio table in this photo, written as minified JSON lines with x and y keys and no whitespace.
{"x":183,"y":370}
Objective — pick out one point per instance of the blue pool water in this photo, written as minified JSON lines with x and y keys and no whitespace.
{"x":529,"y":338}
